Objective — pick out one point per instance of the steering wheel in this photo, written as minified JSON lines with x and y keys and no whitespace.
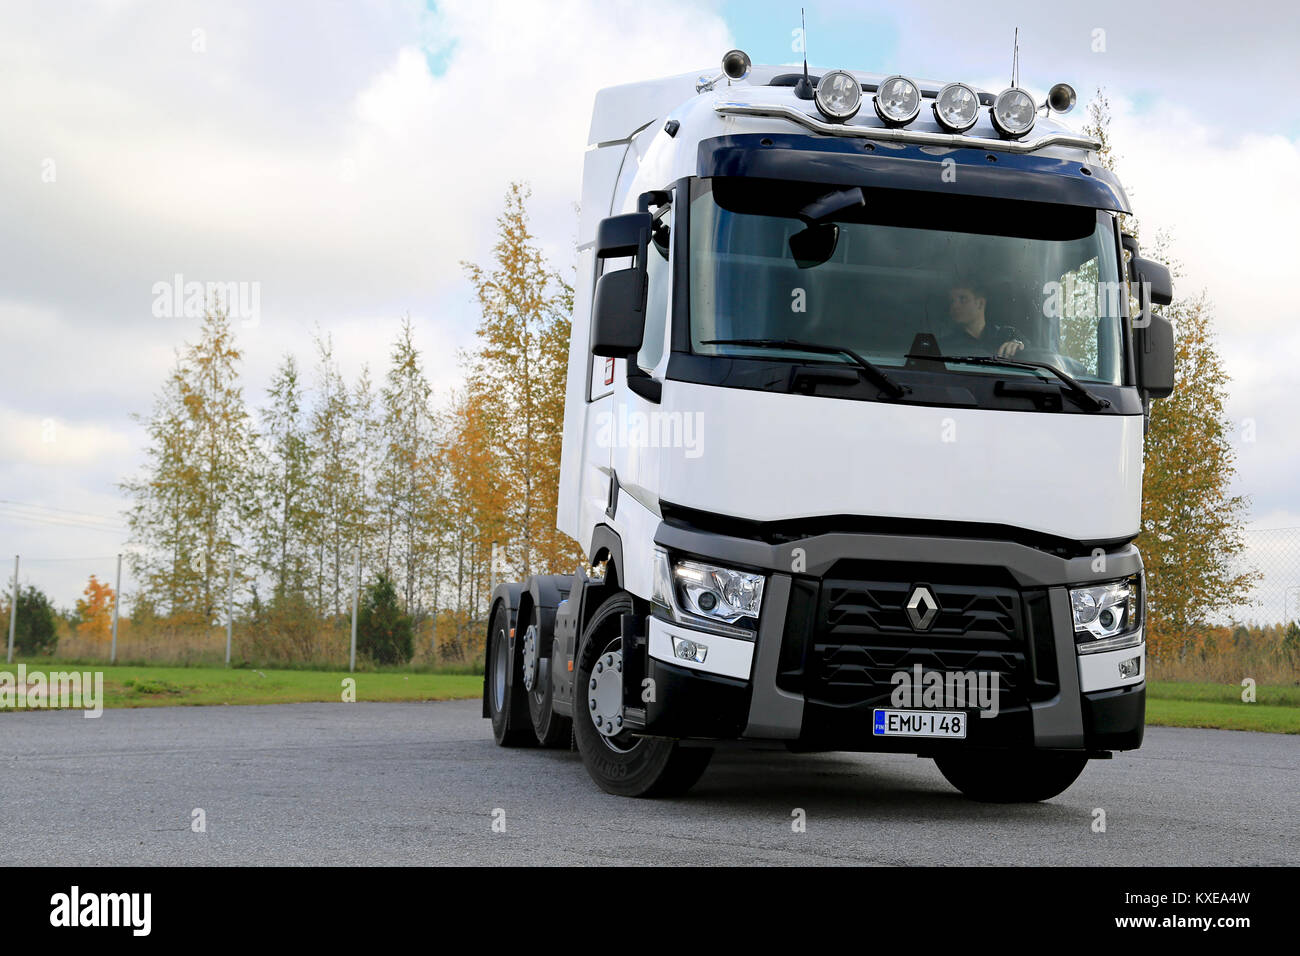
{"x":1032,"y":354}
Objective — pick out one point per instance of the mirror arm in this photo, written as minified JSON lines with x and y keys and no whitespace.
{"x":654,"y":197}
{"x":642,"y":383}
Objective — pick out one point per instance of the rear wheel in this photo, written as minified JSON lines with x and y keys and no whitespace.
{"x":551,"y":729}
{"x":507,"y":707}
{"x":619,"y":762}
{"x":1011,"y":777}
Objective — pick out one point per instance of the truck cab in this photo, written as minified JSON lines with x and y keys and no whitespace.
{"x":853,"y":438}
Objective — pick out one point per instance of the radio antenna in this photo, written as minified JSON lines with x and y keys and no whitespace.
{"x":1015,"y":59}
{"x":804,"y":88}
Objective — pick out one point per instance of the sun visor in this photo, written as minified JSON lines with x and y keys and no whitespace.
{"x":963,"y":171}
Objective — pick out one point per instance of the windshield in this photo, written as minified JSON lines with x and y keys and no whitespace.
{"x":872,"y":270}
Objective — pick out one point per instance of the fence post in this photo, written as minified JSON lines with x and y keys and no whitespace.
{"x":13,"y":612}
{"x":356,"y":587}
{"x":117,"y":603}
{"x":230,"y":604}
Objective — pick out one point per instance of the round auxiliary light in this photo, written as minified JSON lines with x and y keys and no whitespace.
{"x":838,"y":96}
{"x":956,"y":108}
{"x":898,"y":100}
{"x":1013,"y":112}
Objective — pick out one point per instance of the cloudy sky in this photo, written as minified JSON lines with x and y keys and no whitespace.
{"x":346,"y":157}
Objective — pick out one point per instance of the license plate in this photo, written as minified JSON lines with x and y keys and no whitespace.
{"x":919,"y":723}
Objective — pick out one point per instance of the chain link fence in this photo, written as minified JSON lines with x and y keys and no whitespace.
{"x":1275,"y":554}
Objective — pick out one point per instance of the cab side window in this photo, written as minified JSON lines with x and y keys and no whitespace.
{"x":657,"y":295}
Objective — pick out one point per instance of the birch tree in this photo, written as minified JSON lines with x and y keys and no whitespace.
{"x":520,"y":361}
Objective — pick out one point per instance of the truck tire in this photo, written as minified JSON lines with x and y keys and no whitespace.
{"x":1011,"y":777}
{"x":552,"y":730}
{"x":623,"y":764}
{"x":511,"y":726}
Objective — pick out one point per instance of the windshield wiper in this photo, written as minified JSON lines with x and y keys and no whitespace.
{"x":1073,"y":387}
{"x":873,"y":372}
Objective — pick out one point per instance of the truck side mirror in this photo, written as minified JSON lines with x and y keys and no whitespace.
{"x":1156,"y":277}
{"x":618,"y":308}
{"x":1153,"y":346}
{"x":1153,"y":335}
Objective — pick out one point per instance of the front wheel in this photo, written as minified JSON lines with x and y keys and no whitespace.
{"x":618,"y":761}
{"x":1011,"y":777}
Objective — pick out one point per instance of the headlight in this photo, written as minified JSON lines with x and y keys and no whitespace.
{"x":898,"y":100}
{"x":1107,"y":616}
{"x":719,"y":594}
{"x":956,"y":108}
{"x":1013,"y":112}
{"x":838,"y":96}
{"x":707,"y":597}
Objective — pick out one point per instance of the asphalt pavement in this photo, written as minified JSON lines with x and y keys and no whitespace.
{"x":423,"y":784}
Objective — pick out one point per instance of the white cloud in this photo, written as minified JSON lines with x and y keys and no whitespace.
{"x":329,"y":164}
{"x":35,"y":440}
{"x":332,"y":166}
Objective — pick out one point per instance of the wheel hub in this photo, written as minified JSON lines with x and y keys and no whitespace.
{"x":530,"y":656}
{"x":605,"y":694}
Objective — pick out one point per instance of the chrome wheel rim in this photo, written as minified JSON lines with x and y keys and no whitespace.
{"x":605,"y":698}
{"x":530,"y":656}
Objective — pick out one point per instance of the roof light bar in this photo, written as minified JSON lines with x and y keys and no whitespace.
{"x":919,"y":137}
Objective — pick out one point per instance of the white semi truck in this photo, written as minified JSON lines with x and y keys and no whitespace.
{"x":853,"y":439}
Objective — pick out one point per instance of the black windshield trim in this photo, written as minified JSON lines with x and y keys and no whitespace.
{"x":949,"y":389}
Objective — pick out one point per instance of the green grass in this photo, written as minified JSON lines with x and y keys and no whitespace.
{"x":1219,"y":706}
{"x":1169,"y":703}
{"x":132,"y":686}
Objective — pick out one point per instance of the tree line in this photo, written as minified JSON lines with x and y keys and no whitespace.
{"x":433,"y":495}
{"x":1191,"y":528}
{"x":283,"y":496}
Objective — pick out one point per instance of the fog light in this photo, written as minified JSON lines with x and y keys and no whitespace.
{"x":897,"y":100}
{"x":957,"y":107}
{"x":838,"y":96}
{"x":1013,"y":112}
{"x":1131,"y":667}
{"x":688,"y":650}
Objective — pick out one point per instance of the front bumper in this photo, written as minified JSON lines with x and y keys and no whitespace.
{"x":815,"y":674}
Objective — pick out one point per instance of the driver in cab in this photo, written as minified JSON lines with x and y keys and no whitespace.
{"x":970,"y":333}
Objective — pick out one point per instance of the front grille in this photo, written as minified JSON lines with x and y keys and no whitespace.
{"x":861,"y":636}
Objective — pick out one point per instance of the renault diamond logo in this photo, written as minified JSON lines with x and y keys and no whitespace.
{"x":922,"y":608}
